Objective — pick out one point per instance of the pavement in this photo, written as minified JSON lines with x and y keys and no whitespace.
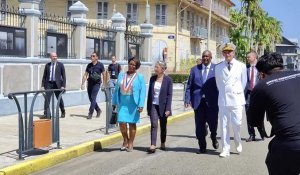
{"x":78,"y":136}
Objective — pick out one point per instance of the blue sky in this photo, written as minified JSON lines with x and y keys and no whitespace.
{"x":286,"y":11}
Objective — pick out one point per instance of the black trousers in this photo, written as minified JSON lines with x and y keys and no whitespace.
{"x":283,"y":157}
{"x":251,"y":130}
{"x":205,"y":114}
{"x":52,"y":85}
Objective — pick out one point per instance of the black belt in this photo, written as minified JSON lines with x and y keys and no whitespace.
{"x":52,"y":81}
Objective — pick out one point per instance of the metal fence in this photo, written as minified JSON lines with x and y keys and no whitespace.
{"x":11,"y":16}
{"x":133,"y":41}
{"x":101,"y":39}
{"x":56,"y":35}
{"x":12,"y":32}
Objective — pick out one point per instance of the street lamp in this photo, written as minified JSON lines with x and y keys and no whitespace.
{"x":209,"y":25}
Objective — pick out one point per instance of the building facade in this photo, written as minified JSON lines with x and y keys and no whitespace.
{"x":180,"y":26}
{"x":289,"y":50}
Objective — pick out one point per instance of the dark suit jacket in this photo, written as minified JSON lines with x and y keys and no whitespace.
{"x":165,"y":95}
{"x":195,"y":88}
{"x":60,"y":75}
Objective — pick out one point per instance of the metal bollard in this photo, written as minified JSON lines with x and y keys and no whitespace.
{"x":108,"y":98}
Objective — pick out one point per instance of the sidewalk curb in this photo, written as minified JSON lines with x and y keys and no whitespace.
{"x":57,"y":157}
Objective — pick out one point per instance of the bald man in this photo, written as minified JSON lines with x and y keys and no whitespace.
{"x":54,"y":78}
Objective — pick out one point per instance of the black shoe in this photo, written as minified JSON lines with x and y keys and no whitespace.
{"x":63,"y":115}
{"x":89,"y":116}
{"x":201,"y":151}
{"x":250,"y":139}
{"x":98,"y":113}
{"x":151,"y":151}
{"x":215,"y":144}
{"x":163,"y":148}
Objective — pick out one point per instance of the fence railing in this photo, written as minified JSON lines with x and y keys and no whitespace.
{"x":26,"y":121}
{"x":101,"y":39}
{"x":56,"y":35}
{"x":11,"y":16}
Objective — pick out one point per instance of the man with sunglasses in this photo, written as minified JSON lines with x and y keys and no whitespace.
{"x":202,"y":94}
{"x":277,"y":95}
{"x":93,"y":76}
{"x":231,"y":79}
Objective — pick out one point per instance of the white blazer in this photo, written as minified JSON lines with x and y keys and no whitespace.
{"x":231,"y":84}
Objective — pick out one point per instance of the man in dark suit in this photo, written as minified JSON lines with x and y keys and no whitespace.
{"x":202,"y":94}
{"x":54,"y":78}
{"x":252,"y":80}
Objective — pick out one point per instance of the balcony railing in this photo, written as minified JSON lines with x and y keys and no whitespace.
{"x":198,"y":32}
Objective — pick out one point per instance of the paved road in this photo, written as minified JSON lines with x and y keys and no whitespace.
{"x":180,"y":157}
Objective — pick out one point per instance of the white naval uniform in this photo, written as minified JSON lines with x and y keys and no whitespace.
{"x":231,"y":100}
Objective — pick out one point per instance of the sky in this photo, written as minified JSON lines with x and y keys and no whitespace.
{"x":285,"y":11}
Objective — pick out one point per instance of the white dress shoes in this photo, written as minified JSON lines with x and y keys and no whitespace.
{"x":224,"y":154}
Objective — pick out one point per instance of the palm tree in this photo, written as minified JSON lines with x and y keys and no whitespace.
{"x":254,"y":29}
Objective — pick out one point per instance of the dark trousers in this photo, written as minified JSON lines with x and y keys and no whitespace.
{"x":251,"y":130}
{"x":154,"y":116}
{"x":92,"y":91}
{"x":283,"y":157}
{"x":204,"y":114}
{"x":52,"y":85}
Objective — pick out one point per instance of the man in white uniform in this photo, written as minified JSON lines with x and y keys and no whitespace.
{"x":231,"y":80}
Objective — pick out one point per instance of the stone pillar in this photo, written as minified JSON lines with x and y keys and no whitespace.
{"x":31,"y":9}
{"x":146,"y":31}
{"x":78,"y":14}
{"x":119,"y":23}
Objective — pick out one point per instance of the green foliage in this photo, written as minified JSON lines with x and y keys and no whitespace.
{"x":254,"y":29}
{"x":179,"y":78}
{"x":187,"y":64}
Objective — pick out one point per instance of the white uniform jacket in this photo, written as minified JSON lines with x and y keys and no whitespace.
{"x":231,"y":84}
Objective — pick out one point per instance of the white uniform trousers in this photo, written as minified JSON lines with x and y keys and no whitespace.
{"x":230,"y":115}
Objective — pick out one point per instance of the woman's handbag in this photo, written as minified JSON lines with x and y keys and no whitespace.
{"x":114,"y":118}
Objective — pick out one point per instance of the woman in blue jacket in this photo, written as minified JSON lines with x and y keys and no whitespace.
{"x":129,"y":98}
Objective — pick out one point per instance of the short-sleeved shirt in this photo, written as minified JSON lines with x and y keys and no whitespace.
{"x":90,"y":68}
{"x":114,"y":70}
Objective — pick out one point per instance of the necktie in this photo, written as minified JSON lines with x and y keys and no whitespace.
{"x":252,"y":78}
{"x":204,"y":74}
{"x":52,"y":72}
{"x":229,"y":66}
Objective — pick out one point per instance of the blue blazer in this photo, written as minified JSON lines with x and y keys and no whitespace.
{"x":165,"y":95}
{"x":138,"y":90}
{"x":195,"y":88}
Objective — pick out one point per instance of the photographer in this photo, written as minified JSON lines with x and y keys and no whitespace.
{"x":278,"y":96}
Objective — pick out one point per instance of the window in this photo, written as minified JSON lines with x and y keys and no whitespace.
{"x":102,"y":8}
{"x":161,"y":16}
{"x":70,"y":3}
{"x":188,"y":20}
{"x":132,"y":12}
{"x":182,"y":18}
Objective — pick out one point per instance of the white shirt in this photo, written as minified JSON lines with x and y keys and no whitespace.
{"x":207,"y":69}
{"x":157,"y":86}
